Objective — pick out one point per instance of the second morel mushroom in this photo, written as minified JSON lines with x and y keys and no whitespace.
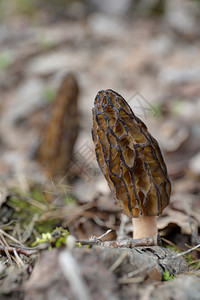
{"x":131,"y":161}
{"x":56,"y":148}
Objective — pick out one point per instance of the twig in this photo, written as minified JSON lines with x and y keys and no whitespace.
{"x":185,"y":252}
{"x":15,"y":260}
{"x":118,"y":261}
{"x":88,"y":242}
{"x":131,"y":243}
{"x":104,"y":234}
{"x":25,"y":251}
{"x":17,"y":232}
{"x":8,"y":224}
{"x":71,"y":271}
{"x":194,"y":262}
{"x":29,"y":229}
{"x":131,"y":280}
{"x":3,"y":240}
{"x":171,"y":244}
{"x":94,"y":240}
{"x":5,"y":245}
{"x":11,"y":238}
{"x":188,"y":246}
{"x":18,"y":259}
{"x":192,"y":231}
{"x":66,"y":212}
{"x":41,"y":206}
{"x":138,"y":271}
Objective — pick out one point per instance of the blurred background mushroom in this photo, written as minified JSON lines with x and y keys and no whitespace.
{"x":55,"y":152}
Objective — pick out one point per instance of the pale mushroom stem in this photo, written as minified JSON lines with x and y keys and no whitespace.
{"x":144,"y":227}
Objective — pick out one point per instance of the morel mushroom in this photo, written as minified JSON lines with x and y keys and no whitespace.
{"x":56,"y":148}
{"x":131,"y":161}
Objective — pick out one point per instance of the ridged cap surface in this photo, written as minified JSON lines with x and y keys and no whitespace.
{"x":129,"y":157}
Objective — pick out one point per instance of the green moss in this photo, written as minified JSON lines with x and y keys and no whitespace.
{"x":36,"y":194}
{"x":173,"y":248}
{"x":27,"y":208}
{"x":192,"y":263}
{"x":188,"y":258}
{"x":167,"y":276}
{"x":33,"y":216}
{"x":68,"y":200}
{"x":23,"y":209}
{"x":46,"y":226}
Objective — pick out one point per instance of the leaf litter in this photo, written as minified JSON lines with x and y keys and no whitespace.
{"x":34,"y":219}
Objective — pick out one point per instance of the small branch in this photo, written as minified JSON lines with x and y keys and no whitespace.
{"x":4,"y":226}
{"x":188,"y":246}
{"x":131,"y":243}
{"x":171,"y":244}
{"x":192,"y":231}
{"x":180,"y":254}
{"x":12,"y":250}
{"x":73,"y":275}
{"x":131,"y":280}
{"x":107,"y":232}
{"x":4,"y":244}
{"x":118,"y":261}
{"x":94,"y":240}
{"x":18,"y":259}
{"x":41,"y":206}
{"x":186,"y":252}
{"x":29,"y":229}
{"x":10,"y":237}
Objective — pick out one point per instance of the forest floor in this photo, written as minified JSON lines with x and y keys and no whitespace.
{"x":156,"y":69}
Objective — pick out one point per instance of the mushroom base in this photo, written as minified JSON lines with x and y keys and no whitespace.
{"x":144,"y":226}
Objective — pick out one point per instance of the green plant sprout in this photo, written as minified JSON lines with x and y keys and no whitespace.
{"x":56,"y":239}
{"x":167,"y":276}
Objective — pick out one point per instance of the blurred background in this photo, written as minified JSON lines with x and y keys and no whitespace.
{"x":147,"y":51}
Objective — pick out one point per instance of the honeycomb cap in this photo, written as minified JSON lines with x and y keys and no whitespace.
{"x":129,"y":157}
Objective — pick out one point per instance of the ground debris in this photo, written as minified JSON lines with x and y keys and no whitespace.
{"x":184,"y":287}
{"x":12,"y":277}
{"x":104,"y":273}
{"x":49,"y":282}
{"x":149,"y":52}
